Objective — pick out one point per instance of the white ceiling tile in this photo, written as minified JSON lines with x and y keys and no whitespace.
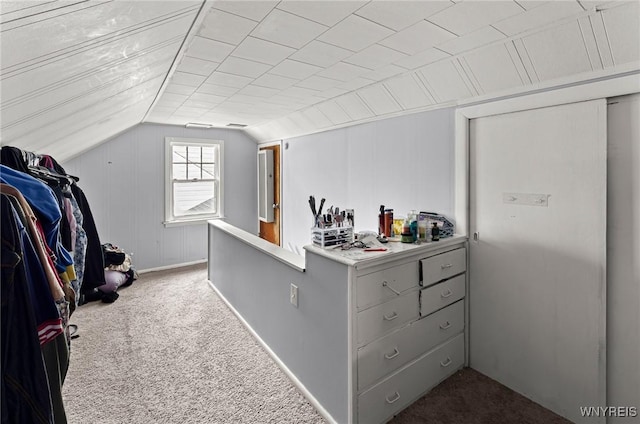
{"x":334,"y":112}
{"x":197,"y":66}
{"x":209,"y":98}
{"x":355,"y":33}
{"x":297,"y":70}
{"x":318,"y":118}
{"x":354,"y":106}
{"x":343,"y":71}
{"x":331,"y":93}
{"x":255,"y":10}
{"x":254,"y":90}
{"x":321,"y":54}
{"x":262,"y":51}
{"x":493,"y":68}
{"x":423,"y":58}
{"x":531,"y":4}
{"x":469,"y":16}
{"x":290,"y":30}
{"x":219,"y":90}
{"x":375,"y":56}
{"x":274,"y":81}
{"x":192,"y":80}
{"x":179,"y":89}
{"x":318,"y":83}
{"x":199,"y":104}
{"x":558,"y":52}
{"x":211,"y":50}
{"x":172,"y":97}
{"x":325,"y":12}
{"x":355,"y":83}
{"x":298,"y":92}
{"x":545,"y":14}
{"x":408,"y":92}
{"x":384,"y":72}
{"x":169,"y":103}
{"x":378,"y":99}
{"x":226,"y":27}
{"x":398,"y":17}
{"x":244,"y":67}
{"x":623,"y":29}
{"x":481,"y":37}
{"x":417,"y":38}
{"x":445,"y":82}
{"x":228,"y":80}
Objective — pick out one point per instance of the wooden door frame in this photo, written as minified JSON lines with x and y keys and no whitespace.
{"x":278,"y":143}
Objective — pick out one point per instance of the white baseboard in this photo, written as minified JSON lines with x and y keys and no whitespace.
{"x":325,"y":414}
{"x":163,"y":268}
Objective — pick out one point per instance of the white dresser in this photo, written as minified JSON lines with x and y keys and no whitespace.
{"x":407,"y":323}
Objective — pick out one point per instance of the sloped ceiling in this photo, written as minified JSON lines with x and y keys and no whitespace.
{"x":75,"y":73}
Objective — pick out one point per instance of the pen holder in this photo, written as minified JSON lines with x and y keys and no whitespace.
{"x":331,"y":236}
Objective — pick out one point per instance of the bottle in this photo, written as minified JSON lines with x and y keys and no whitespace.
{"x":435,"y":232}
{"x":388,"y":222}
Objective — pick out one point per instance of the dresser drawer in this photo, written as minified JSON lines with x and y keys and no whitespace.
{"x":443,"y":266}
{"x":442,"y":294}
{"x":380,"y":319}
{"x":390,"y":396}
{"x":392,"y":351}
{"x":377,"y":287}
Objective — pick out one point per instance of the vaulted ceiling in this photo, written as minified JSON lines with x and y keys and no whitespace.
{"x":74,"y":73}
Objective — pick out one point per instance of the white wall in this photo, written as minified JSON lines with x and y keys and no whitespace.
{"x":123,"y":180}
{"x":623,"y":251}
{"x":403,"y":163}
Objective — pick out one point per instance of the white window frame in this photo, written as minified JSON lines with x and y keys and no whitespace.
{"x":170,"y":219}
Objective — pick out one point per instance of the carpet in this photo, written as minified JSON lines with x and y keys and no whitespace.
{"x":169,"y":350}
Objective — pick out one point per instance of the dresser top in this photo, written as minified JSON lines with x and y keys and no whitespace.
{"x":395,"y":250}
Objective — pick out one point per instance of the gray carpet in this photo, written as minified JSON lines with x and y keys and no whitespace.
{"x":170,"y":351}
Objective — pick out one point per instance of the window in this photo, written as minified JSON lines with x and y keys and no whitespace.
{"x":194,"y":179}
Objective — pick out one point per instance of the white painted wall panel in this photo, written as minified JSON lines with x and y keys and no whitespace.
{"x":494,"y":69}
{"x":623,"y":30}
{"x":403,"y":162}
{"x":124,"y":183}
{"x":623,"y":251}
{"x":558,"y":52}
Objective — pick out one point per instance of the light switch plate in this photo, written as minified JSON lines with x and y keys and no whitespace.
{"x":293,"y":295}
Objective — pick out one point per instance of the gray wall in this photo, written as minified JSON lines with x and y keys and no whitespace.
{"x":404,"y":163}
{"x":623,"y":251}
{"x":123,"y":180}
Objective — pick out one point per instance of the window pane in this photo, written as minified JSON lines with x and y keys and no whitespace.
{"x":194,"y":154}
{"x":208,"y":171}
{"x":179,"y":154}
{"x":194,"y":198}
{"x":208,"y":154}
{"x":193,"y":172}
{"x":180,"y":172}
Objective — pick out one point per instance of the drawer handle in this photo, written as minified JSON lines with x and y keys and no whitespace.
{"x":386,"y":284}
{"x":446,"y":363}
{"x":395,"y":397}
{"x":393,"y":355}
{"x":391,"y":317}
{"x":445,"y":325}
{"x":445,"y":266}
{"x":446,"y":294}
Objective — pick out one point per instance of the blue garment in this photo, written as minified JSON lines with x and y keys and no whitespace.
{"x":45,"y":205}
{"x":24,"y":385}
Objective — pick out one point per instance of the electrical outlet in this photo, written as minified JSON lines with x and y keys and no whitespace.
{"x":293,"y":295}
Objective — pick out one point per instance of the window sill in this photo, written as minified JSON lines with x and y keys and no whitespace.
{"x":194,"y":221}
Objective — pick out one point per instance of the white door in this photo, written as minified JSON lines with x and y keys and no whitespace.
{"x":537,"y":269}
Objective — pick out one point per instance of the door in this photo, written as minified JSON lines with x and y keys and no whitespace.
{"x":270,"y":231}
{"x":538,"y":254}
